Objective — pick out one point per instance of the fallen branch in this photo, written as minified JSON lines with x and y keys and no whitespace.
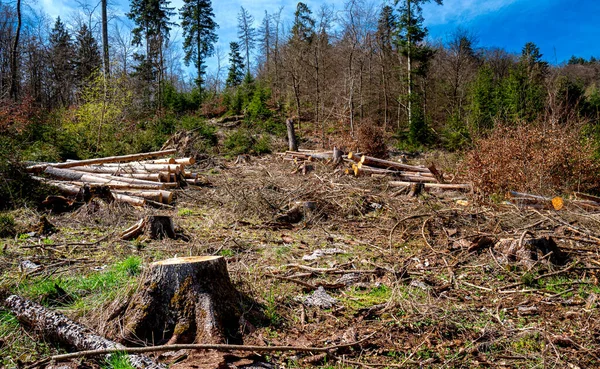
{"x":217,"y":347}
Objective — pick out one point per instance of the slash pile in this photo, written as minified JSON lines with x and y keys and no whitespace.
{"x":362,"y":165}
{"x":135,"y":179}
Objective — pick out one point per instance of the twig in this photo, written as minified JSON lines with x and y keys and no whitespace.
{"x":217,"y":347}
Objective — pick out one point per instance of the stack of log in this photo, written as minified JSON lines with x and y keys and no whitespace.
{"x":135,"y":179}
{"x":360,"y":165}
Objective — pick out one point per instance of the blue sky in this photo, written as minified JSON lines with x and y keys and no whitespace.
{"x":560,"y":28}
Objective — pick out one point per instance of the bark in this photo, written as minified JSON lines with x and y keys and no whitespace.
{"x":14,"y":70}
{"x":445,"y":186}
{"x":112,"y":159}
{"x":72,"y":175}
{"x":58,"y":327}
{"x":165,"y":197}
{"x":155,"y":226}
{"x":184,"y":300}
{"x":293,"y":144}
{"x":105,"y":54}
{"x":131,"y":200}
{"x":386,"y":164}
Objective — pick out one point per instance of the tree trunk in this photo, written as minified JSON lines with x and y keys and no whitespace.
{"x":59,"y":328}
{"x":14,"y":70}
{"x":112,"y":159}
{"x":72,"y":175}
{"x":293,"y":144}
{"x":184,"y":300}
{"x":380,"y":163}
{"x":409,"y":66}
{"x":105,"y":55}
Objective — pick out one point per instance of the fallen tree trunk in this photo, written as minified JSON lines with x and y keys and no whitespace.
{"x":162,"y":196}
{"x":131,"y":200}
{"x":446,"y":186}
{"x":386,"y":164}
{"x":58,"y":327}
{"x":138,"y":173}
{"x":171,"y":168}
{"x":72,"y":175}
{"x":184,"y":300}
{"x":112,"y":159}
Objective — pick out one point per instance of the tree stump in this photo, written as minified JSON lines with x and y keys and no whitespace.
{"x":184,"y":300}
{"x":292,"y":143}
{"x":155,"y":226}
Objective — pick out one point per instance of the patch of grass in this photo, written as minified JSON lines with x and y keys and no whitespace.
{"x":84,"y":292}
{"x":184,"y":212}
{"x":118,"y":361}
{"x":271,"y":309}
{"x":227,"y":253}
{"x":528,"y":343}
{"x":358,"y":299}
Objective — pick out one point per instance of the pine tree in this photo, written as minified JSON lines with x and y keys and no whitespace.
{"x":236,"y":66}
{"x":247,"y":34}
{"x":197,"y":21}
{"x":411,"y":35}
{"x":61,"y":55}
{"x":152,"y":31}
{"x":87,"y":54}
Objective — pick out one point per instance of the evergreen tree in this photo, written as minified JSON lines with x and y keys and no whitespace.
{"x":247,"y":34}
{"x":151,"y":18}
{"x":303,"y":30}
{"x":61,"y":55}
{"x":87,"y":58}
{"x":524,"y":88}
{"x":236,"y":66}
{"x":410,"y":36}
{"x":197,"y":21}
{"x":484,"y":99}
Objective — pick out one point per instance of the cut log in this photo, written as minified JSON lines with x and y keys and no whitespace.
{"x":72,"y":175}
{"x":112,"y":159}
{"x":136,"y":166}
{"x":292,"y":143}
{"x":155,"y":226}
{"x":354,"y":157}
{"x":536,"y":201}
{"x":160,"y":161}
{"x":184,"y":300}
{"x":131,"y":200}
{"x":386,"y":164}
{"x":436,"y":174}
{"x":445,"y":186}
{"x":58,"y":328}
{"x":162,"y":196}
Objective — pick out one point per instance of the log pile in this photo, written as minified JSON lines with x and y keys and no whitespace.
{"x":360,"y":165}
{"x":136,"y":179}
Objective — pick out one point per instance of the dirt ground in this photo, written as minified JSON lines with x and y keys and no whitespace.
{"x":435,"y":281}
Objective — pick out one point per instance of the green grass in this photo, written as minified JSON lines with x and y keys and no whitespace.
{"x":85,"y":292}
{"x":183,"y":212}
{"x":117,"y":361}
{"x":16,"y":344}
{"x":358,"y":299}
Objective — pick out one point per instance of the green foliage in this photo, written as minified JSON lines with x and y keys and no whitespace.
{"x":455,"y":135}
{"x":117,"y":361}
{"x":241,"y":141}
{"x":419,"y":132}
{"x":484,"y":100}
{"x":180,"y":102}
{"x":199,"y":36}
{"x":183,"y":212}
{"x":97,"y":122}
{"x":236,"y":66}
{"x":7,"y":225}
{"x":257,"y":109}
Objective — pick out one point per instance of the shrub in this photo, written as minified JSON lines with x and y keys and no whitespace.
{"x":239,"y":142}
{"x":7,"y":226}
{"x":262,"y":145}
{"x":371,"y":140}
{"x":531,"y":158}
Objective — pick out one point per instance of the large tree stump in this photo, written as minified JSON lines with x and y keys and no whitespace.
{"x":58,"y":327}
{"x":184,"y":300}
